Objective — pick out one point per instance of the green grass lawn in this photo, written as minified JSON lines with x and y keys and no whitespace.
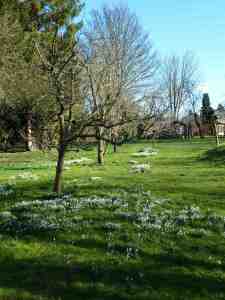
{"x":115,"y":234}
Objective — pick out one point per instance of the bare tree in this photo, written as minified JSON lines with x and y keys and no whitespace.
{"x":179,"y":80}
{"x":61,"y":62}
{"x":121,"y":63}
{"x":63,"y":72}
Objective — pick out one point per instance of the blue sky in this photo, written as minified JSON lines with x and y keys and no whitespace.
{"x":179,"y":25}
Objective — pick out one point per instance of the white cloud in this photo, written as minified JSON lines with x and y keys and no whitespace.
{"x":203,"y":88}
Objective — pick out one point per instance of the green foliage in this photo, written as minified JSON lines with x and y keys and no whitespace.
{"x":42,"y":15}
{"x":205,"y":100}
{"x":24,"y":85}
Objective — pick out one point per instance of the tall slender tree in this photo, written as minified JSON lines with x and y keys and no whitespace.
{"x":179,"y":80}
{"x":60,"y":61}
{"x":121,"y":63}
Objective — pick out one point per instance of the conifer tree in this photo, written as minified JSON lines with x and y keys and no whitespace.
{"x":207,"y":112}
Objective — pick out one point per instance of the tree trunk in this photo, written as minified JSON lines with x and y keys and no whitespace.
{"x":198,"y":124}
{"x":185,"y":131}
{"x":201,"y":135}
{"x":216,"y":134}
{"x":114,"y":147}
{"x":189,"y":130}
{"x":59,"y":170}
{"x":100,"y":151}
{"x":105,"y":148}
{"x":100,"y":145}
{"x":29,"y":138}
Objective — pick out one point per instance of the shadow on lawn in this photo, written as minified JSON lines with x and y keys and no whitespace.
{"x":215,"y":155}
{"x":159,"y":275}
{"x":43,"y":189}
{"x":14,"y":167}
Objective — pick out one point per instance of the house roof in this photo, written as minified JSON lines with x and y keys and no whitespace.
{"x":220,"y":114}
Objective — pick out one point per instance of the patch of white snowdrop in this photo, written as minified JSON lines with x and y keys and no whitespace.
{"x":145,"y":152}
{"x":25,"y":176}
{"x":145,"y":217}
{"x":6,"y":190}
{"x":140,"y":168}
{"x":80,"y":161}
{"x":52,"y":214}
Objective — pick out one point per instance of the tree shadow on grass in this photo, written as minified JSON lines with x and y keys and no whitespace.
{"x":102,"y":276}
{"x":45,"y":188}
{"x":215,"y":156}
{"x":108,"y":280}
{"x":167,"y":260}
{"x":23,"y":168}
{"x":28,"y":190}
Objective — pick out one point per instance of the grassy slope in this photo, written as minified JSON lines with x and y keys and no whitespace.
{"x":65,"y":268}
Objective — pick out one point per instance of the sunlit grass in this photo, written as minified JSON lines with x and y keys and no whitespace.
{"x":106,"y":252}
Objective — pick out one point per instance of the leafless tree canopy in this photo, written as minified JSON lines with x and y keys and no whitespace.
{"x":123,"y":53}
{"x":120,"y":64}
{"x":179,"y":80}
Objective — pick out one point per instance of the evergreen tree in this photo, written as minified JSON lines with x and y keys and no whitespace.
{"x":23,"y":23}
{"x":43,"y":15}
{"x":220,"y":108}
{"x":207,"y":112}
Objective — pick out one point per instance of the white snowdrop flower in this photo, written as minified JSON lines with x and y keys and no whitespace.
{"x":145,"y":152}
{"x":112,"y":226}
{"x":181,"y":232}
{"x":192,"y":212}
{"x":131,"y":252}
{"x":181,"y":219}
